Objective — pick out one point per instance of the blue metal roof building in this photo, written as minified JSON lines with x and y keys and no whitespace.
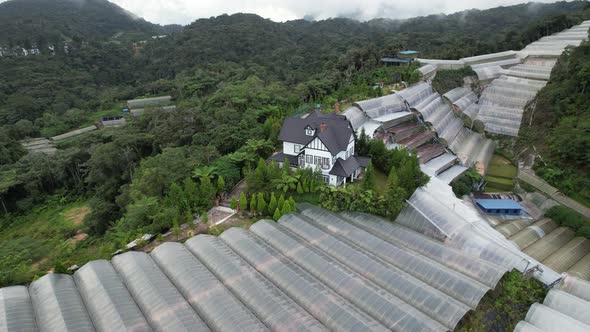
{"x":500,"y":206}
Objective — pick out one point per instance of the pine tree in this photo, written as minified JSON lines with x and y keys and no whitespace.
{"x":277,"y":215}
{"x":281,"y":203}
{"x":261,"y":207}
{"x":243,"y":203}
{"x":220,"y":184}
{"x":191,"y":194}
{"x":286,"y":167}
{"x":233,"y":204}
{"x":286,"y":208}
{"x":394,"y":195}
{"x":272,"y":205}
{"x":299,"y":188}
{"x":293,"y":204}
{"x":176,"y":198}
{"x":369,"y":179}
{"x":176,"y":228}
{"x":253,"y":204}
{"x":207,"y":190}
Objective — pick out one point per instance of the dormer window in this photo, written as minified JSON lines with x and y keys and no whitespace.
{"x":309,"y":131}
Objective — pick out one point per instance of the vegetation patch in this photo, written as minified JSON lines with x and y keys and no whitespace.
{"x":561,"y":121}
{"x":565,"y":216}
{"x":503,"y":307}
{"x":447,"y":80}
{"x":501,"y":174}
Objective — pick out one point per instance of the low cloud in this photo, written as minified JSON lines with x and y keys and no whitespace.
{"x":186,"y":11}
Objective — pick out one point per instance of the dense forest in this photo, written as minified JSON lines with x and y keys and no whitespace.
{"x":560,"y":125}
{"x":234,"y":79}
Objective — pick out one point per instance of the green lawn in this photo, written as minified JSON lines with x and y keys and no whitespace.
{"x":380,"y":181}
{"x":500,"y":175}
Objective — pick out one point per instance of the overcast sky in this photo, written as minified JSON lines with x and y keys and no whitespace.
{"x":186,"y":11}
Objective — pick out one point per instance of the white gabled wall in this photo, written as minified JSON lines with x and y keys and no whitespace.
{"x":289,"y":148}
{"x":317,"y":148}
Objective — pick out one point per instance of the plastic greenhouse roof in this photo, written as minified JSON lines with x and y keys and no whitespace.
{"x":314,"y":271}
{"x":564,"y":309}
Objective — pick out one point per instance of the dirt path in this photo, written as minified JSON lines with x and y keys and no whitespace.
{"x":531,"y":178}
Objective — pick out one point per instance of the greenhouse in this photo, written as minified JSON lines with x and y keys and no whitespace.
{"x":565,"y":308}
{"x":313,"y":271}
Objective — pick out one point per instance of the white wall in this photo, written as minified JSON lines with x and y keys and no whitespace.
{"x":289,"y":148}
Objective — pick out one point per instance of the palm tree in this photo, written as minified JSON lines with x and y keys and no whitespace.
{"x":204,"y":172}
{"x":286,"y":182}
{"x":259,"y":146}
{"x":243,"y":157}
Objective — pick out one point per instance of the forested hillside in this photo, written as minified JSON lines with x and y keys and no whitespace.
{"x":52,"y":22}
{"x":560,"y":128}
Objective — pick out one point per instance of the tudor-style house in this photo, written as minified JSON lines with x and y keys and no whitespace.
{"x":325,"y":142}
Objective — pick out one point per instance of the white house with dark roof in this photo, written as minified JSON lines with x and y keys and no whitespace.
{"x":325,"y":142}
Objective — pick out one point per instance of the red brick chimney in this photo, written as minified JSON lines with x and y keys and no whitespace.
{"x":323,"y":127}
{"x":337,"y":108}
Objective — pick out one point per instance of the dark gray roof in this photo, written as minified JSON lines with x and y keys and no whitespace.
{"x":280,"y":157}
{"x":335,"y":137}
{"x":345,"y":168}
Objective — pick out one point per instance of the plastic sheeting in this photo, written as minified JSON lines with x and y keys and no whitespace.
{"x":271,"y":305}
{"x":566,"y":256}
{"x":57,"y":304}
{"x":435,"y":211}
{"x":381,"y":106}
{"x":581,"y":269}
{"x":436,"y":304}
{"x":533,"y":233}
{"x":568,"y":304}
{"x":456,"y":94}
{"x":512,"y":227}
{"x":108,"y":301}
{"x":550,"y":243}
{"x":380,"y":304}
{"x":162,"y":304}
{"x":356,"y":117}
{"x":16,"y":310}
{"x":431,"y":272}
{"x":484,"y":272}
{"x":466,"y":101}
{"x":416,"y":94}
{"x":576,"y":286}
{"x":523,"y":326}
{"x":441,"y":163}
{"x":215,"y":304}
{"x":427,"y":70}
{"x":551,"y":320}
{"x":452,"y":173}
{"x":329,"y":307}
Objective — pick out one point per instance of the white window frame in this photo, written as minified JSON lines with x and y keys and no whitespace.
{"x":309,"y":132}
{"x":326,"y":179}
{"x":297,"y":148}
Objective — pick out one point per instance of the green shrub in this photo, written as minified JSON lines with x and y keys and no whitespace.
{"x":564,"y":216}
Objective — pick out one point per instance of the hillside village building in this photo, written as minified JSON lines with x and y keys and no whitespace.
{"x":324,"y":142}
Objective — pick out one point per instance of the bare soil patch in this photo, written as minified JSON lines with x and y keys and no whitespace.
{"x":76,"y":215}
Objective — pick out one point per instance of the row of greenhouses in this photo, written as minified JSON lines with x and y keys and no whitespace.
{"x":511,"y":79}
{"x":311,"y":271}
{"x":565,"y":308}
